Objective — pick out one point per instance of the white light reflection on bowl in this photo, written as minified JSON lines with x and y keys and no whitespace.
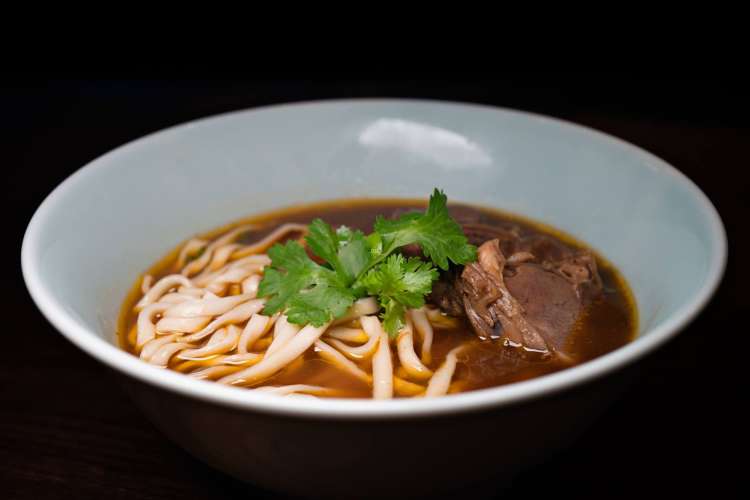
{"x":428,"y":142}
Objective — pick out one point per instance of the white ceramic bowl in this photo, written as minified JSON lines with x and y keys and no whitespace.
{"x":110,"y":220}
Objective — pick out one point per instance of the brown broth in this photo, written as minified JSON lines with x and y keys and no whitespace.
{"x":607,"y":324}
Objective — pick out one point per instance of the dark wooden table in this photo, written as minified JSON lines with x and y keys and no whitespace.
{"x":67,"y":430}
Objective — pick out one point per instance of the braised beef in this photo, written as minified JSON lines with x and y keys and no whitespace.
{"x":577,"y":267}
{"x":548,"y":301}
{"x":493,"y":312}
{"x":527,"y":289}
{"x":530,"y":299}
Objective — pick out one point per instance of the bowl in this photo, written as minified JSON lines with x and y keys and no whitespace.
{"x":109,"y":221}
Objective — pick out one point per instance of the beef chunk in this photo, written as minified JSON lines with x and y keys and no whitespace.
{"x":492,"y":310}
{"x":577,"y":267}
{"x":548,"y":301}
{"x":527,"y":289}
{"x":532,"y":299}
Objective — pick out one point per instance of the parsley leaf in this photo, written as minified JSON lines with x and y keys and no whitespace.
{"x":399,"y":283}
{"x":440,"y":237}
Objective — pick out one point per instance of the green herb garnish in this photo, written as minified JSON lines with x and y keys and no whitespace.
{"x":357,"y":265}
{"x":399,"y":284}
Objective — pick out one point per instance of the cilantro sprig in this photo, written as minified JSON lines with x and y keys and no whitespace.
{"x":357,"y":265}
{"x":399,"y":284}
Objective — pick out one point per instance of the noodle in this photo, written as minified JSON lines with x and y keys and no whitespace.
{"x":329,"y":353}
{"x":217,"y":283}
{"x":160,"y":288}
{"x":271,"y":364}
{"x":153,"y":345}
{"x":382,"y":365}
{"x":255,"y":328}
{"x":162,"y":356}
{"x":214,"y":372}
{"x":176,"y":298}
{"x":209,"y":305}
{"x":265,"y":243}
{"x":357,"y":353}
{"x":362,"y":307}
{"x":189,"y":249}
{"x":352,"y":335}
{"x":182,"y":325}
{"x":424,"y":329}
{"x":202,"y":261}
{"x":250,"y":285}
{"x":221,"y":256}
{"x":286,"y":390}
{"x":409,"y":360}
{"x":146,"y":283}
{"x":441,"y":381}
{"x":282,"y":332}
{"x":237,"y":315}
{"x":222,"y":341}
{"x":145,"y":323}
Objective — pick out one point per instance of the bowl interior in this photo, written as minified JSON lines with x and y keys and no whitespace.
{"x":111,"y":220}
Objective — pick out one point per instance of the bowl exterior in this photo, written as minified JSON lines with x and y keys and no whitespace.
{"x":385,"y":458}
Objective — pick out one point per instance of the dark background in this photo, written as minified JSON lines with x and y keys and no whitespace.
{"x":68,"y":431}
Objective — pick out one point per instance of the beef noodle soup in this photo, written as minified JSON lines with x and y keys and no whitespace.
{"x":526,"y":301}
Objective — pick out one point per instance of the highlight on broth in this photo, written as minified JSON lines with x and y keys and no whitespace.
{"x":428,"y":303}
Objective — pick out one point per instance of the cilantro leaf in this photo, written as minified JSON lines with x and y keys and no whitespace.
{"x":399,"y":284}
{"x":291,"y":270}
{"x":319,"y":304}
{"x":309,"y":292}
{"x":324,"y":243}
{"x":345,"y":234}
{"x":393,"y":315}
{"x":345,"y":250}
{"x":353,"y":253}
{"x":440,"y":237}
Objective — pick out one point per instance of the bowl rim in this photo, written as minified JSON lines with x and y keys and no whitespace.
{"x":243,"y":399}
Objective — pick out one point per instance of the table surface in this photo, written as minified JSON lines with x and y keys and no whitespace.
{"x":67,"y":430}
